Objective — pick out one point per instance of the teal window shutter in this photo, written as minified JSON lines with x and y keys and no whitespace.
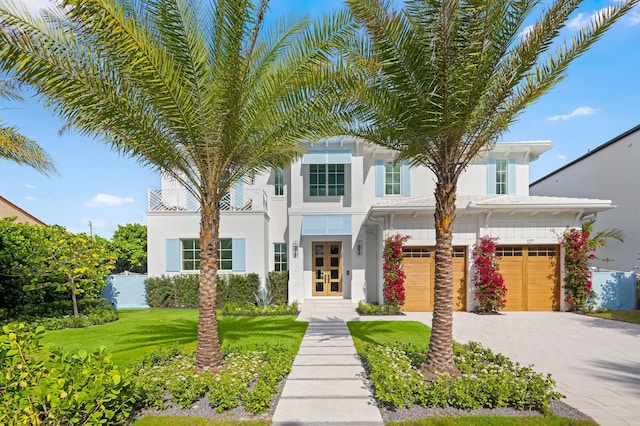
{"x":239,"y":254}
{"x":511,"y":176}
{"x":173,"y":255}
{"x":491,"y":176}
{"x":406,"y":178}
{"x":379,"y":178}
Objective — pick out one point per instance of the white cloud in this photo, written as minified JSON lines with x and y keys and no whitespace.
{"x":634,"y":18}
{"x":584,"y":110}
{"x":104,"y":200}
{"x":29,"y":186}
{"x":561,"y":157}
{"x":582,"y":20}
{"x":30,"y":198}
{"x":526,"y":30}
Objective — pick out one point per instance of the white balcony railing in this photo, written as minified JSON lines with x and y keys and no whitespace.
{"x":181,"y":200}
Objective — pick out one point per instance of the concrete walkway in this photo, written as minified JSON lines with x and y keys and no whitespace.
{"x":595,"y":362}
{"x":327,"y":384}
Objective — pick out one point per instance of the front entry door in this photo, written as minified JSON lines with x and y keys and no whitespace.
{"x":327,"y":269}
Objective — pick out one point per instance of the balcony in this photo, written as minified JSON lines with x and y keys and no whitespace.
{"x":181,"y":200}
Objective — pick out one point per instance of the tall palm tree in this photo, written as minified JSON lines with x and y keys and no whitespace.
{"x":17,"y":148}
{"x":197,"y":89}
{"x":443,"y":80}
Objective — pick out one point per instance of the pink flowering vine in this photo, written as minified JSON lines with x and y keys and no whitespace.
{"x":392,"y":272}
{"x":491,"y":292}
{"x":577,"y":282}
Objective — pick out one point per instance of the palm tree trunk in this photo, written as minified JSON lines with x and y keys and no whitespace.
{"x":440,"y":355}
{"x":208,"y":355}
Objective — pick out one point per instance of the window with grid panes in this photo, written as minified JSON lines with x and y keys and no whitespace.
{"x":501,"y":176}
{"x":391,"y":178}
{"x":326,"y":180}
{"x":280,"y":257}
{"x":278,"y":175}
{"x":191,"y":254}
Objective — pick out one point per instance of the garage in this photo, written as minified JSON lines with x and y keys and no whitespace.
{"x":419,"y":267}
{"x":532,"y":277}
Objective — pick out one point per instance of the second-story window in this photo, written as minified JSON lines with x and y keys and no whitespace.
{"x":278,"y":181}
{"x":501,"y":177}
{"x":326,"y":180}
{"x":392,"y":178}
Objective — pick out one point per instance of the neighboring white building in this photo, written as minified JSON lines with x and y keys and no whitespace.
{"x":324,"y":218}
{"x":610,"y":171}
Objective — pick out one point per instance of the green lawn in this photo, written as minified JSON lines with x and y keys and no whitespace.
{"x":496,"y":421}
{"x":626,"y":316}
{"x":381,"y":332}
{"x":140,"y":331}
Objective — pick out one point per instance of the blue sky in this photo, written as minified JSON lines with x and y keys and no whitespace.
{"x":598,"y":100}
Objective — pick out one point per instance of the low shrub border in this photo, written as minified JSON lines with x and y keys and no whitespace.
{"x":93,"y":312}
{"x":374,"y":308}
{"x":488,"y":380}
{"x":253,"y":310}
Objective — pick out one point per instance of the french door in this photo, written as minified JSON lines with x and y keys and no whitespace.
{"x":327,"y":269}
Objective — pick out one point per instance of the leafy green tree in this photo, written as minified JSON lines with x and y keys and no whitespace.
{"x":76,"y":263}
{"x":129,"y":245}
{"x":17,"y":148}
{"x":443,"y":80}
{"x":196,"y":89}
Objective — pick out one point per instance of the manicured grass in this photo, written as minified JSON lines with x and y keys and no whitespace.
{"x":381,"y":332}
{"x":194,"y":421}
{"x":140,"y":331}
{"x":626,"y":316}
{"x":496,"y":421}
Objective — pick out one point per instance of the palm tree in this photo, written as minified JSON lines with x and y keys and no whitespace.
{"x":444,"y":79}
{"x":601,"y":238}
{"x":197,"y":89}
{"x":17,"y":148}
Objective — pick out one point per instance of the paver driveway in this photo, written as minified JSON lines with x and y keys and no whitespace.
{"x":595,"y":362}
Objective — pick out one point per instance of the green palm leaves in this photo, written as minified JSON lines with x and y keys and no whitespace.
{"x":442,"y":80}
{"x":17,"y":148}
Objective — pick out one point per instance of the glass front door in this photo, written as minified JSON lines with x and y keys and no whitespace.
{"x":327,"y":269}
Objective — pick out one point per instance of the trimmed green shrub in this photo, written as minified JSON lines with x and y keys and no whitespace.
{"x":43,"y":386}
{"x":247,"y":309}
{"x":278,"y":286}
{"x":488,"y":380}
{"x":181,"y":291}
{"x":178,"y":291}
{"x":251,"y":377}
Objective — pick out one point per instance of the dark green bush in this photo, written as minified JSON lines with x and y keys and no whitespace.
{"x":181,"y":291}
{"x":43,"y":386}
{"x":278,"y":286}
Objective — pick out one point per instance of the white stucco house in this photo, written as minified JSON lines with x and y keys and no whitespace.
{"x":612,"y":171}
{"x":325,"y":217}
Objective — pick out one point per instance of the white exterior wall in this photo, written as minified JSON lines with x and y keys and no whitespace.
{"x":362,"y":273}
{"x":253,"y":227}
{"x":610,"y":173}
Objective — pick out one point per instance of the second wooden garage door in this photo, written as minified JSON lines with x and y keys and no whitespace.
{"x":531,"y":274}
{"x":419,"y":265}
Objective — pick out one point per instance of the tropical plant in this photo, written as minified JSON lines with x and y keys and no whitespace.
{"x":195,"y":89}
{"x":442,"y":80}
{"x":17,"y":148}
{"x":491,"y":293}
{"x":579,"y":246}
{"x":392,"y":273}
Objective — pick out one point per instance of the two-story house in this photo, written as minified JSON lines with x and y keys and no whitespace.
{"x":325,"y":217}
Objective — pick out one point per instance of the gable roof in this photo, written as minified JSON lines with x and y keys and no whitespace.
{"x":7,"y":209}
{"x":589,"y":153}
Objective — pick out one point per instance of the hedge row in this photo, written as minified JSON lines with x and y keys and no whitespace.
{"x":181,"y":291}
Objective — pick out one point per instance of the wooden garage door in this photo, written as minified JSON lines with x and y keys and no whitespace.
{"x":531,"y":274}
{"x":419,"y":266}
